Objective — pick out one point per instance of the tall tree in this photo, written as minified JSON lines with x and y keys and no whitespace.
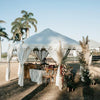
{"x":22,"y":24}
{"x":17,"y":27}
{"x":28,"y":20}
{"x":2,"y":34}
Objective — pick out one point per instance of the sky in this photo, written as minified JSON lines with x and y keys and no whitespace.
{"x":72,"y":18}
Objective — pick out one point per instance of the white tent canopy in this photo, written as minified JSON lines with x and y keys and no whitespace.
{"x":48,"y":40}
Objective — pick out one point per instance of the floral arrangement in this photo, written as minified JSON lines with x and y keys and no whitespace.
{"x":68,"y":80}
{"x":84,"y":61}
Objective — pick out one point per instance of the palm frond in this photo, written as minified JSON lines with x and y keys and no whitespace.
{"x":13,"y":23}
{"x":31,"y":20}
{"x":25,"y":25}
{"x":22,"y":19}
{"x":14,"y":28}
{"x":24,"y":12}
{"x":35,"y":27}
{"x":31,"y":14}
{"x":19,"y":19}
{"x":1,"y":29}
{"x":2,"y":21}
{"x":4,"y":34}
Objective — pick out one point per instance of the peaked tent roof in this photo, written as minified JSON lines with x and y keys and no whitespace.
{"x":48,"y":36}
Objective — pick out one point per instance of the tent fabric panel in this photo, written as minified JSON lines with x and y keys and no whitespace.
{"x":22,"y":54}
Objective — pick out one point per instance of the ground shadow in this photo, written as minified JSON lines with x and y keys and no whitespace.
{"x":88,"y":93}
{"x":63,"y":95}
{"x":34,"y":92}
{"x":8,"y":90}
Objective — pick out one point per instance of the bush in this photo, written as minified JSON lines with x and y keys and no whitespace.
{"x":4,"y":55}
{"x":86,"y":77}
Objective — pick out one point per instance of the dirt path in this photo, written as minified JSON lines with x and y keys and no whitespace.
{"x":51,"y":92}
{"x":13,"y":73}
{"x":32,"y":91}
{"x":12,"y":91}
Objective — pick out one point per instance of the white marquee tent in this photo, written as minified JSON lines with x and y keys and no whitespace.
{"x":55,"y":48}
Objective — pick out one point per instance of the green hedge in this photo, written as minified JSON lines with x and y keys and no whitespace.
{"x":4,"y":55}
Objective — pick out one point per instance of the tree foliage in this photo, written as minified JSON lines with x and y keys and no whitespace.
{"x":2,"y":32}
{"x":21,"y":25}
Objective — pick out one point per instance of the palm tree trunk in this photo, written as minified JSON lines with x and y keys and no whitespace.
{"x":0,"y":49}
{"x":27,"y":33}
{"x":20,"y":37}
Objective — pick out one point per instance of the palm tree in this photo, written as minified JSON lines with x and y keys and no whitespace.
{"x":28,"y":21}
{"x":17,"y":29}
{"x":2,"y":34}
{"x":23,"y":23}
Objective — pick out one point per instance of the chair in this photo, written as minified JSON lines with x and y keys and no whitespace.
{"x":48,"y":75}
{"x":54,"y":74}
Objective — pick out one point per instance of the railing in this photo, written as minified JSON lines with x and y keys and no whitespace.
{"x":96,"y":58}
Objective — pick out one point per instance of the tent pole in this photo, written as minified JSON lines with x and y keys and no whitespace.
{"x":8,"y":72}
{"x":19,"y":69}
{"x":21,"y":75}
